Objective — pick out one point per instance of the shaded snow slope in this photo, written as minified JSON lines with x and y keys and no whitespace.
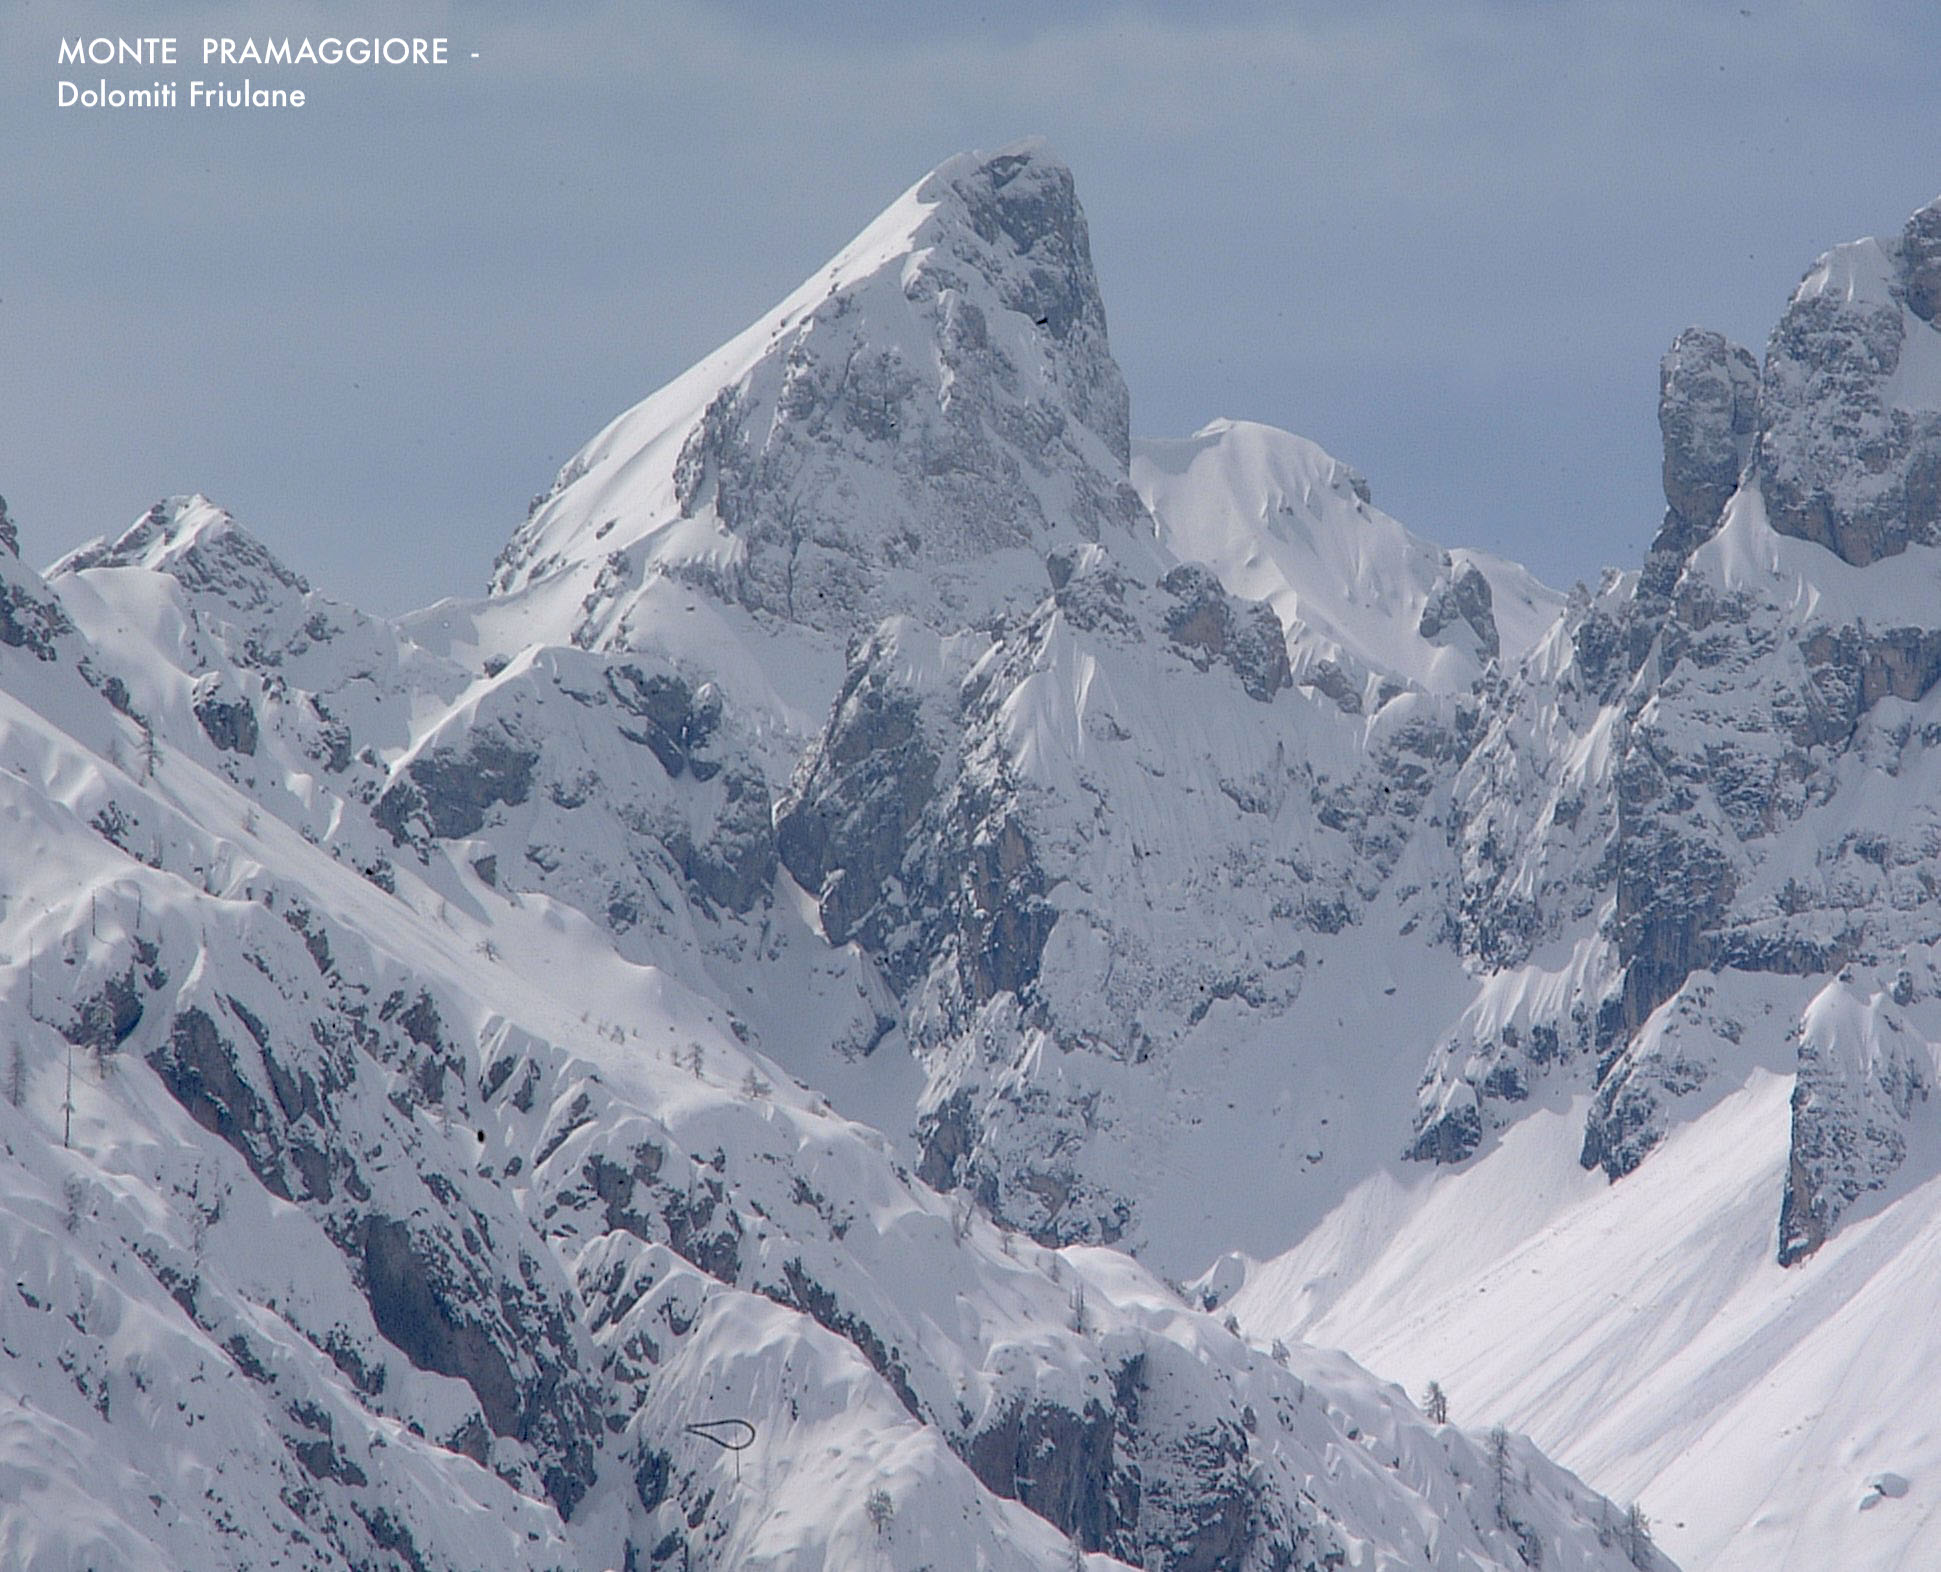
{"x":1644,"y":1332}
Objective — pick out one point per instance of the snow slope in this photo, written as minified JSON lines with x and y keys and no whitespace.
{"x":1281,"y":521}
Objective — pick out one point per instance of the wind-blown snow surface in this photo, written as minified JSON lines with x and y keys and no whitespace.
{"x":431,"y":1159}
{"x":1645,"y":1332}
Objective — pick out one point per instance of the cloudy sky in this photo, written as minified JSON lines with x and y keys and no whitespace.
{"x":1447,"y":240}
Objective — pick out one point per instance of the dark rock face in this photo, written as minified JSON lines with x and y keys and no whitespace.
{"x":1030,"y":200}
{"x":922,"y":861}
{"x":948,"y":1134}
{"x":1209,"y":625}
{"x":849,"y":821}
{"x":1449,"y":1137}
{"x":415,"y":1318}
{"x":1840,"y":463}
{"x":448,"y":793}
{"x":1920,"y":260}
{"x":679,"y":721}
{"x":31,"y":622}
{"x":734,"y":865}
{"x":678,"y":1204}
{"x":228,"y":723}
{"x":1862,"y":1071}
{"x":1627,"y":1119}
{"x":1854,"y":668}
{"x":1674,"y":884}
{"x":1173,"y":1494}
{"x":1062,"y":1465}
{"x":1708,"y":412}
{"x":107,"y":1019}
{"x":200,"y":1068}
{"x":1803,"y":1220}
{"x":1463,"y":599}
{"x":1003,"y":916}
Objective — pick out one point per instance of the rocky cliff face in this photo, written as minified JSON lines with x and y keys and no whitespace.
{"x":1850,"y":448}
{"x":991,"y":814}
{"x":1729,"y":725}
{"x":398,"y":1221}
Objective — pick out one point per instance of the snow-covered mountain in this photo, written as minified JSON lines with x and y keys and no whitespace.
{"x":421,"y":1036}
{"x":1698,"y":838}
{"x":892,"y":872}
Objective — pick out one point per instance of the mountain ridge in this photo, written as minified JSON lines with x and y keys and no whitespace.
{"x":1144,"y":845}
{"x":443,"y":1011}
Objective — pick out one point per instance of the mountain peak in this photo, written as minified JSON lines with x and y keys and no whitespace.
{"x":1850,"y":399}
{"x":1023,"y":198}
{"x":911,"y":429}
{"x":198,"y":544}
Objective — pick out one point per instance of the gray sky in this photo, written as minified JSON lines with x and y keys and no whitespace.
{"x":1447,"y":241}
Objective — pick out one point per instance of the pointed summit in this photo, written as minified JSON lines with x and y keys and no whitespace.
{"x":201,"y":546}
{"x":914,"y":428}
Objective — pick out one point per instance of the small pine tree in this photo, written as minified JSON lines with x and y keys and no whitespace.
{"x":1280,"y":1352}
{"x":880,"y":1510}
{"x":1637,"y":1537}
{"x":1435,"y":1404}
{"x":151,"y":753}
{"x":1078,"y":1308}
{"x":16,"y":1074}
{"x":1499,"y":1463}
{"x":753,"y":1087}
